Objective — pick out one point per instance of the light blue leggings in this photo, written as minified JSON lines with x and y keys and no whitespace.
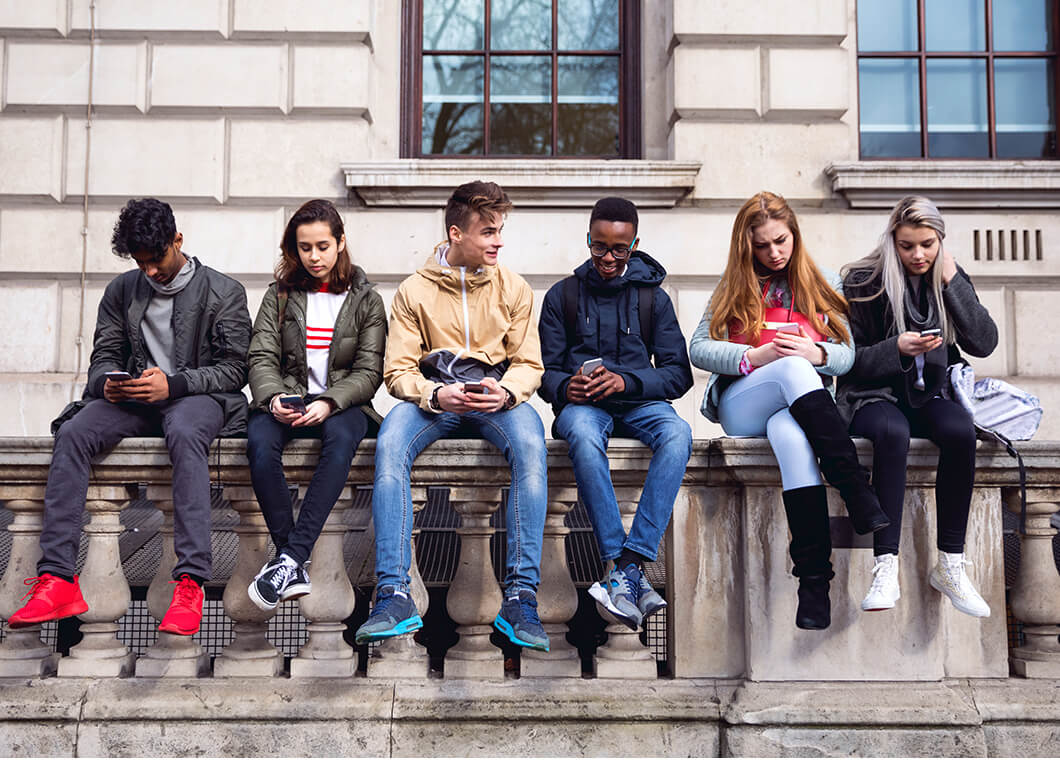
{"x":758,"y":404}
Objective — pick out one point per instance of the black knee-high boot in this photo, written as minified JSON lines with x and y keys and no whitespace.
{"x":811,"y":550}
{"x":818,"y":417}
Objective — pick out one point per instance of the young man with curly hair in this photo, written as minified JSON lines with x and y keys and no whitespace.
{"x":169,"y":357}
{"x":462,"y":352}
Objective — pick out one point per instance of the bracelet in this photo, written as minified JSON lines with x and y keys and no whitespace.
{"x":746,"y":368}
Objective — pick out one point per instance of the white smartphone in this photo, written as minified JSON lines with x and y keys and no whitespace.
{"x":788,"y":327}
{"x":931,"y":333}
{"x":590,"y":366}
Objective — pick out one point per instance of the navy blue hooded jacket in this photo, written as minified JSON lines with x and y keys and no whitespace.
{"x":608,"y":326}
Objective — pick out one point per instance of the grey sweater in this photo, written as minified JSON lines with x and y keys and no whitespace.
{"x":722,"y":357}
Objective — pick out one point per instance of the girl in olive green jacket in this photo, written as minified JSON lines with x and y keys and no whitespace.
{"x":316,"y":360}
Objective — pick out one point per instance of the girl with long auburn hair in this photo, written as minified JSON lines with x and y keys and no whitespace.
{"x":783,"y":388}
{"x":911,"y":307}
{"x":316,"y":360}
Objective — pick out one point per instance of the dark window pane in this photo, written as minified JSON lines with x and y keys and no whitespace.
{"x":588,"y":105}
{"x":887,"y":25}
{"x":588,"y":24}
{"x":521,"y":105}
{"x":453,"y":24}
{"x":955,"y":24}
{"x":521,"y":25}
{"x":1025,"y":110}
{"x":452,"y":104}
{"x":956,"y":94}
{"x":1023,"y":25}
{"x":889,"y":103}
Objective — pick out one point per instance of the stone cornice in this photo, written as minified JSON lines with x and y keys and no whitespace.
{"x":529,"y":182}
{"x":951,"y":184}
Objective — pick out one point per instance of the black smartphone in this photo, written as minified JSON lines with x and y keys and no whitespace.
{"x":117,"y":376}
{"x":476,"y":388}
{"x":297,"y":403}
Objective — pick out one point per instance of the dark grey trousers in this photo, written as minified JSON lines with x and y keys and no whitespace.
{"x":189,"y":426}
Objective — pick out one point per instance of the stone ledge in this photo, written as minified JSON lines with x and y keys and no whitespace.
{"x":951,"y":184}
{"x":529,"y":182}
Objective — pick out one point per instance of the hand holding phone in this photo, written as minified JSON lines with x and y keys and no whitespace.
{"x":476,"y":388}
{"x":294,"y":403}
{"x":590,"y":366}
{"x":788,"y":327}
{"x":117,"y":376}
{"x":934,"y":331}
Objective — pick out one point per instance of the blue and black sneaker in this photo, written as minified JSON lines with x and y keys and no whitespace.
{"x":619,"y":595}
{"x":394,"y":613}
{"x":650,"y":601}
{"x":518,"y":620}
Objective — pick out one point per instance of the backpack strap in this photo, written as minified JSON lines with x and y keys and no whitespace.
{"x":987,"y":433}
{"x":570,"y":309}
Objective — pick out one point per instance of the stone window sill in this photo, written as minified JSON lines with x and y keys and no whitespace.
{"x":951,"y":184}
{"x":529,"y":182}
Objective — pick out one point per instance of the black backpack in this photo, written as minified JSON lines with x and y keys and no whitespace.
{"x":570,"y":313}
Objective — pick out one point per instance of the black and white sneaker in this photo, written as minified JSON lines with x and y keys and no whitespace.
{"x":267,"y":588}
{"x":299,"y":584}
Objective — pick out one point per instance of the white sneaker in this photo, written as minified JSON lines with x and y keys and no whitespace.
{"x":884,"y":590}
{"x":948,"y":576}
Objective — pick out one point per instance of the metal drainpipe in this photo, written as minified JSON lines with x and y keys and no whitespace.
{"x":79,"y":341}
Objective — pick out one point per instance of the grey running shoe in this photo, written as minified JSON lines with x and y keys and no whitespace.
{"x":619,"y":595}
{"x":649,"y":601}
{"x":518,"y":620}
{"x":394,"y":613}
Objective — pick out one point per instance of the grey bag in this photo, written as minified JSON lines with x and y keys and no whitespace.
{"x":995,"y":405}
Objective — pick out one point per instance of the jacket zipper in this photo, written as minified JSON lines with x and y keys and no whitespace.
{"x":467,"y":319}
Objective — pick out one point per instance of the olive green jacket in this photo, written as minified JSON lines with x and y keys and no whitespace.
{"x":355,"y":363}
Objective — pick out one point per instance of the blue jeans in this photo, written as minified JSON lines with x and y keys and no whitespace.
{"x":406,"y":431}
{"x":587,"y":430}
{"x":339,"y":435}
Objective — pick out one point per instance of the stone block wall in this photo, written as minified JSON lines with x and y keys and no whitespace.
{"x":236,"y":111}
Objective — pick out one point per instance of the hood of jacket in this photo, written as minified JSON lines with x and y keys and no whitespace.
{"x":642,"y":271}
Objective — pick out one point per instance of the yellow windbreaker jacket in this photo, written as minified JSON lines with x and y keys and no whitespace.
{"x":484,"y":315}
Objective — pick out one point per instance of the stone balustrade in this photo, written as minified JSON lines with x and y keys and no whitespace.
{"x":730,"y":592}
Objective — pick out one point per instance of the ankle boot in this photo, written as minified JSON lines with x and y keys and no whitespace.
{"x":819,"y":419}
{"x":811,"y":549}
{"x":815,"y":608}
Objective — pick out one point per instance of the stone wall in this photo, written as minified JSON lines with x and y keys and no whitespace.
{"x":235,"y":111}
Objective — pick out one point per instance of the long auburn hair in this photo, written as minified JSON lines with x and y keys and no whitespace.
{"x":739,"y":294}
{"x":289,"y":271}
{"x":885,"y":265}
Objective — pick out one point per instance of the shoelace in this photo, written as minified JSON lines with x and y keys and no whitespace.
{"x":36,"y":582}
{"x":529,"y":609}
{"x":631,"y":586}
{"x":186,"y":592}
{"x":282,"y":575}
{"x":878,"y":573}
{"x":381,"y":604}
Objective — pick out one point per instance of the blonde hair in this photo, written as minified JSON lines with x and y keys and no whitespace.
{"x":739,"y":294}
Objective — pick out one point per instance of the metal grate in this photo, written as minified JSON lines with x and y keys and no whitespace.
{"x":1010,"y":245}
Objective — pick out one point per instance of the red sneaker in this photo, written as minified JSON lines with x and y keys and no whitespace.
{"x":185,"y":611}
{"x":51,"y":598}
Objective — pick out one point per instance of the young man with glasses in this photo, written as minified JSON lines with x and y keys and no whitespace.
{"x":599,"y":331}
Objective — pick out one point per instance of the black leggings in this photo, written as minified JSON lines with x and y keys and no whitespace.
{"x":949,"y":426}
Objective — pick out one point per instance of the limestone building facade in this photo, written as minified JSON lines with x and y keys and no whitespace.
{"x":235,"y":111}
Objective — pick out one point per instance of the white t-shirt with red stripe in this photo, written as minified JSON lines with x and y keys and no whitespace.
{"x":321,"y":311}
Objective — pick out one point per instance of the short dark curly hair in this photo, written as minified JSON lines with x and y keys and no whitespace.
{"x":145,"y":224}
{"x":615,"y":209}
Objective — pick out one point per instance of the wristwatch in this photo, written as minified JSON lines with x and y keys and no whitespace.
{"x":433,"y":403}
{"x":510,"y":401}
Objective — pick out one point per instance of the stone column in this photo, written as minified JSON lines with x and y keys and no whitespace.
{"x":249,"y":653}
{"x":623,"y":656}
{"x":474,"y":597}
{"x":401,"y":656}
{"x":1036,"y":593}
{"x":23,"y":654}
{"x":103,"y":584}
{"x":326,"y":654}
{"x":171,"y":655}
{"x":557,"y":598}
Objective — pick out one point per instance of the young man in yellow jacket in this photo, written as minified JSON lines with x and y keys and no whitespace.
{"x":462,"y":350}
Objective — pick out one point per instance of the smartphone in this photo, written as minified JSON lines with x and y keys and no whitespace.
{"x":590,"y":366}
{"x":788,"y":327}
{"x":117,"y":376}
{"x":931,"y":333}
{"x":476,"y":388}
{"x":297,"y":403}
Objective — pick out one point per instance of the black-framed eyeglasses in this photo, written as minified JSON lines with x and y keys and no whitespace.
{"x":619,"y":252}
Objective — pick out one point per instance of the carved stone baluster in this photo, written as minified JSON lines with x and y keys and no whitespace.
{"x":249,"y":653}
{"x":623,"y":656}
{"x":100,"y":654}
{"x":557,"y":597}
{"x":401,"y":656}
{"x":22,"y":653}
{"x":171,"y":655}
{"x":1036,"y":594}
{"x":326,"y":654}
{"x":474,"y":595}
